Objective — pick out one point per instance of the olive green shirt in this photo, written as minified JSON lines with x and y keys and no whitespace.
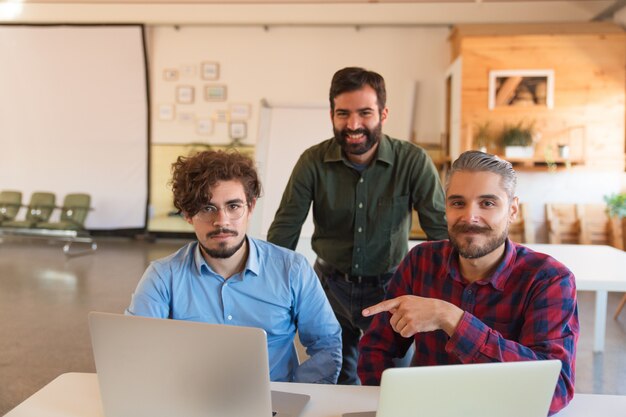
{"x":362,"y":220}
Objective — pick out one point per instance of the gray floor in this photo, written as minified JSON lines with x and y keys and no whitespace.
{"x":45,"y":298}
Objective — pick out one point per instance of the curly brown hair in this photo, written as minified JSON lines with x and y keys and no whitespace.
{"x":193,"y":177}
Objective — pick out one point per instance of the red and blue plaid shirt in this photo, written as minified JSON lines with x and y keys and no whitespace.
{"x":526,"y":310}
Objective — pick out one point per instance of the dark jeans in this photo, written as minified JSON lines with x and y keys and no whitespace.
{"x":348,"y":299}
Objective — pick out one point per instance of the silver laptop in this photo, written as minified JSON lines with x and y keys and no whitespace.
{"x":162,"y":368}
{"x":511,"y":389}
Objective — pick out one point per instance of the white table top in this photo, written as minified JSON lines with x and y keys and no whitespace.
{"x":77,"y":395}
{"x":596,"y":267}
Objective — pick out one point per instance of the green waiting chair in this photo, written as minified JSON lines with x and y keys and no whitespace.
{"x":39,"y":209}
{"x":73,"y":213}
{"x":10,"y":203}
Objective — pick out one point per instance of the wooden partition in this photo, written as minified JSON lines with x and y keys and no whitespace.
{"x":588,"y":62}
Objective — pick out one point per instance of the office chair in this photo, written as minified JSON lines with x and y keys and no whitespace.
{"x":73,"y":213}
{"x":39,"y":209}
{"x":10,"y":203}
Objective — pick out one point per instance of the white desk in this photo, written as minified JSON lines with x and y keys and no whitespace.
{"x":77,"y":395}
{"x":597,"y":268}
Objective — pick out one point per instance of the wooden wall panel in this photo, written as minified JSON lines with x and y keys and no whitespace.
{"x":589,"y":94}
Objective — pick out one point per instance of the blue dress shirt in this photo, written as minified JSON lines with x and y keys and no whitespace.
{"x":277,"y":291}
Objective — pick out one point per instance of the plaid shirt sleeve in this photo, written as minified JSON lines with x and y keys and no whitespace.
{"x":550,"y":331}
{"x":381,"y":344}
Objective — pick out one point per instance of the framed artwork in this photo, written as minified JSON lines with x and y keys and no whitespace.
{"x":170,"y":74}
{"x":237,"y":130}
{"x":521,"y":88}
{"x":210,"y":70}
{"x":186,"y":117}
{"x":220,"y":116}
{"x":215,"y":92}
{"x":188,"y":71}
{"x":166,"y":112}
{"x":239,"y":111}
{"x":184,"y":94}
{"x":204,"y":127}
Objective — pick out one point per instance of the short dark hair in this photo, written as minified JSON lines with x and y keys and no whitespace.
{"x":476,"y":161}
{"x":355,"y":78}
{"x":194,"y":176}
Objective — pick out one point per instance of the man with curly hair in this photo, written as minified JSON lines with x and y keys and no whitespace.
{"x":227,"y":277}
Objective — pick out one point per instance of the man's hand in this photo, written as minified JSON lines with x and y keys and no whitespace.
{"x":411,"y":314}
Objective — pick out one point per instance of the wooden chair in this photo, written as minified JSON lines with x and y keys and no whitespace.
{"x":597,"y":228}
{"x":522,"y":230}
{"x":563,"y":221}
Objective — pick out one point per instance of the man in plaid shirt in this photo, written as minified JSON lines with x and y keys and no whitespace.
{"x":478,"y":297}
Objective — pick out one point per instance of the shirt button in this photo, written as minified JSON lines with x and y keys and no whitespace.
{"x":469,"y":292}
{"x":360,"y":205}
{"x":361,"y":180}
{"x":358,"y":249}
{"x":226,"y":284}
{"x":360,"y":229}
{"x":230,"y":317}
{"x":356,"y":266}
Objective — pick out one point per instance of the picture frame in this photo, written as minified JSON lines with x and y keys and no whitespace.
{"x":521,"y":88}
{"x":170,"y":74}
{"x":204,"y":126}
{"x":237,"y":130}
{"x":210,"y":70}
{"x":186,"y":117}
{"x":215,"y":92}
{"x":188,"y":71}
{"x":166,"y":112}
{"x":184,"y":94}
{"x":239,"y":111}
{"x":221,"y":116}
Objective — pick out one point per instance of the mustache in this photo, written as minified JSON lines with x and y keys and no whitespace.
{"x":222,"y":230}
{"x":470,"y":228}
{"x":359,"y":131}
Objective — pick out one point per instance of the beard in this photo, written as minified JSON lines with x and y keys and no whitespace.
{"x":466,"y":246}
{"x":223,"y":251}
{"x":372,"y":137}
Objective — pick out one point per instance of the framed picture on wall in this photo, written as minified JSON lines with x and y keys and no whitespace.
{"x":204,"y":126}
{"x":170,"y":74}
{"x":215,"y":92}
{"x":220,"y":116}
{"x":210,"y":70}
{"x":239,"y":111}
{"x":166,"y":112}
{"x":237,"y":130}
{"x":186,"y":117}
{"x":521,"y":88}
{"x":184,"y":94}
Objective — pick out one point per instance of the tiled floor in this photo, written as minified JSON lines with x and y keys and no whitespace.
{"x":45,"y":298}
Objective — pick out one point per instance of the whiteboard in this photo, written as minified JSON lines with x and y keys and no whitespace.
{"x":285,"y":131}
{"x":73,"y":118}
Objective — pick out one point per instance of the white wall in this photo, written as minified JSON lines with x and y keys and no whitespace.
{"x":295,"y":65}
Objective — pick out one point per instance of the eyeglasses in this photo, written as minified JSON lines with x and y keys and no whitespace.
{"x":233,"y":211}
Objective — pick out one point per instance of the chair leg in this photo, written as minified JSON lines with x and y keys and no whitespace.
{"x":620,"y":307}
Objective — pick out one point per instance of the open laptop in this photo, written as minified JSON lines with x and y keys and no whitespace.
{"x":511,"y":389}
{"x":162,"y":368}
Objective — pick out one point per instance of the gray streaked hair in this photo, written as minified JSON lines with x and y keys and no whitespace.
{"x":476,"y":161}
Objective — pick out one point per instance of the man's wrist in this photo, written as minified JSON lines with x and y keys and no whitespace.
{"x":450,"y":318}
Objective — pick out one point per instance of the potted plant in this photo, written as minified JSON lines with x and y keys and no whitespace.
{"x":483,"y":136}
{"x":517,"y":140}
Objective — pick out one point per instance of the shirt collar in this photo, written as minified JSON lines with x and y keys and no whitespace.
{"x":500,"y":275}
{"x":384,"y":153}
{"x":252,"y":263}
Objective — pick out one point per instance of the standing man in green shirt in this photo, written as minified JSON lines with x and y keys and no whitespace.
{"x":363,"y":186}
